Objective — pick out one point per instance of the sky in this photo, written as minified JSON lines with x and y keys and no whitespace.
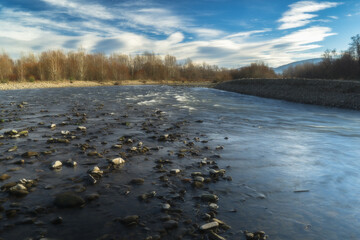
{"x":228,"y":33}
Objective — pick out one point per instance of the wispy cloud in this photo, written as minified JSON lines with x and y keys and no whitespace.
{"x":82,"y":9}
{"x":300,"y":13}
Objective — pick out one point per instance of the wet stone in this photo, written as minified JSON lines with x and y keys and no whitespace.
{"x":92,"y":197}
{"x":4,"y":177}
{"x":171,"y":224}
{"x":209,"y":225}
{"x":81,"y":128}
{"x":56,"y":165}
{"x":137,"y":181}
{"x":19,"y":190}
{"x":130,"y":220}
{"x":57,"y":220}
{"x":117,"y":161}
{"x":209,"y":198}
{"x":175,"y":171}
{"x":30,"y":154}
{"x":68,"y":200}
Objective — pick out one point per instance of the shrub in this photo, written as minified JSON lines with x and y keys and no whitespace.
{"x":31,"y":79}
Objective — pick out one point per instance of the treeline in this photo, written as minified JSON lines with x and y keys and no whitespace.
{"x":255,"y":70}
{"x":56,"y":65}
{"x":344,"y":65}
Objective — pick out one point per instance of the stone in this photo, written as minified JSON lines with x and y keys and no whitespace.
{"x":70,"y":163}
{"x":209,"y":198}
{"x":146,"y":196}
{"x":213,"y":206}
{"x":117,"y":161}
{"x":117,"y":146}
{"x":23,"y":133}
{"x":65,"y":132}
{"x":53,"y":125}
{"x":130,"y":220}
{"x":209,"y":225}
{"x":56,"y":165}
{"x":137,"y":181}
{"x":11,"y":132}
{"x":175,"y":171}
{"x":96,"y":170}
{"x":68,"y":200}
{"x":4,"y":177}
{"x":194,"y":174}
{"x":14,"y":148}
{"x":199,"y":179}
{"x":215,"y":236}
{"x":92,"y":197}
{"x":171,"y":224}
{"x":30,"y":154}
{"x":19,"y":190}
{"x":57,"y":220}
{"x":166,"y":206}
{"x":81,"y":128}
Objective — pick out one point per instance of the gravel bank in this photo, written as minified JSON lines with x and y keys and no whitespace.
{"x":332,"y":93}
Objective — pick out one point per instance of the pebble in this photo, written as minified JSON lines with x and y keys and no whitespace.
{"x":209,"y":225}
{"x":213,"y":206}
{"x":117,"y":161}
{"x":199,"y":179}
{"x":57,"y":220}
{"x":137,"y":181}
{"x":81,"y":128}
{"x":92,"y":197}
{"x":96,"y":170}
{"x":30,"y":154}
{"x":171,"y":224}
{"x":175,"y":171}
{"x":166,"y":206}
{"x":209,"y":198}
{"x":53,"y":125}
{"x":19,"y":190}
{"x":4,"y":177}
{"x":130,"y":220}
{"x":56,"y":165}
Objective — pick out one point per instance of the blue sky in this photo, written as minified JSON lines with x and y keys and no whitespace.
{"x":229,"y":33}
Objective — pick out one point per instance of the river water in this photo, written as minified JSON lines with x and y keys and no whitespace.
{"x":295,"y":168}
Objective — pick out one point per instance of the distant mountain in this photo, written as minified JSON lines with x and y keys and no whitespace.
{"x":280,"y":69}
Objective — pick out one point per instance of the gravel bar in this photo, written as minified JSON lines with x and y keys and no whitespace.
{"x":332,"y":93}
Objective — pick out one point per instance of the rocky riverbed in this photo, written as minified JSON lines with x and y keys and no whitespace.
{"x":332,"y":93}
{"x":83,"y":168}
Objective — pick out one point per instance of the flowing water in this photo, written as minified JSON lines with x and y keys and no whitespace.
{"x":295,"y":168}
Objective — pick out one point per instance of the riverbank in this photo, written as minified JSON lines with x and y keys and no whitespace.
{"x":62,"y":84}
{"x":332,"y":93}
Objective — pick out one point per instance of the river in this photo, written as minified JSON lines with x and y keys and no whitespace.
{"x":295,"y":168}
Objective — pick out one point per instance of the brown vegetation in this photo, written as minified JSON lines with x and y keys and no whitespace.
{"x":55,"y":65}
{"x":333,"y":66}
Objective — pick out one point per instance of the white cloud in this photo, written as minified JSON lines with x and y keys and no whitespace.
{"x":82,"y":9}
{"x":299,"y":13}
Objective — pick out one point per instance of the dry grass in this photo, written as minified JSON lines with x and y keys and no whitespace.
{"x":62,"y":84}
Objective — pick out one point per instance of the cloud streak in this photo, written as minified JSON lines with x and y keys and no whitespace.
{"x":300,"y":13}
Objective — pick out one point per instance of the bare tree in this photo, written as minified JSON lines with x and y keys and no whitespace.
{"x":355,"y":47}
{"x":6,"y":66}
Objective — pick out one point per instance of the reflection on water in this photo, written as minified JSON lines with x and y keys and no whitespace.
{"x":295,"y":167}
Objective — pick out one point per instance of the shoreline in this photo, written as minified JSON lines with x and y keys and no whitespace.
{"x":65,"y":84}
{"x":330,"y":93}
